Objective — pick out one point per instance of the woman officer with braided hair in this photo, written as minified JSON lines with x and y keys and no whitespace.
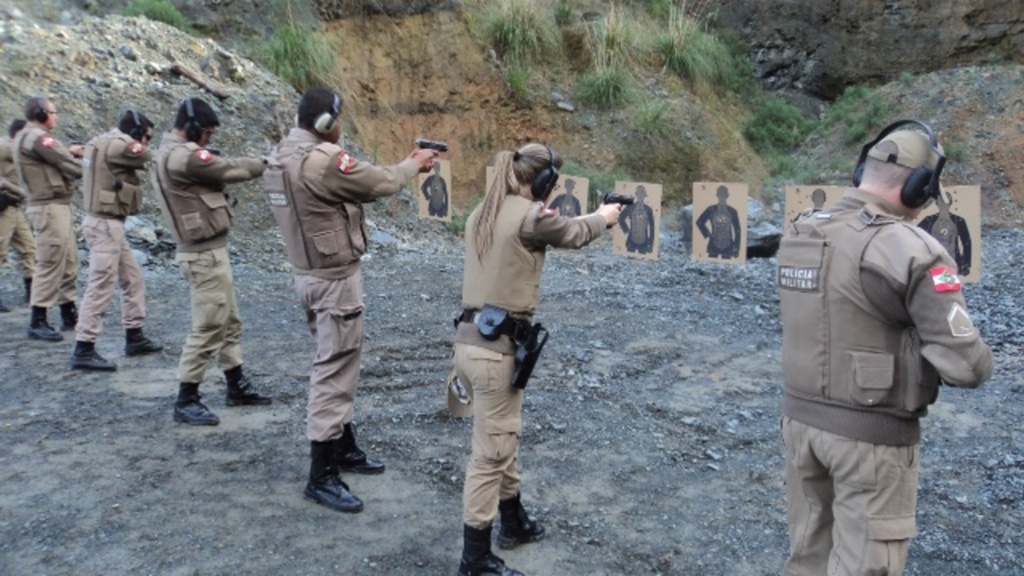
{"x":506,"y":239}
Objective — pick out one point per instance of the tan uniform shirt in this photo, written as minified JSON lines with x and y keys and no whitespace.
{"x":44,"y":166}
{"x":872,"y":317}
{"x":112,"y":188}
{"x":316,"y":190}
{"x":509,"y":275}
{"x":10,"y":185}
{"x":190,"y":182}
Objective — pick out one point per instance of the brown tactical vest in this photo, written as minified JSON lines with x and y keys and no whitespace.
{"x":198,"y":215}
{"x":509,"y":275}
{"x":838,"y":348}
{"x":107,"y":194}
{"x":321,"y":239}
{"x":43,"y":181}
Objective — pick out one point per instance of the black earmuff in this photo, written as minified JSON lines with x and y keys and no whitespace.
{"x":325,"y":121}
{"x":39,"y":113}
{"x":922,"y":184}
{"x":193,"y":131}
{"x":545,"y":180}
{"x":138,"y":132}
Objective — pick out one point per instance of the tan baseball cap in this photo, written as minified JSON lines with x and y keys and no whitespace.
{"x":908,"y":148}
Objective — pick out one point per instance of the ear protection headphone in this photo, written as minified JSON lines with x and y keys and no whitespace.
{"x":923,"y":183}
{"x":39,"y":113}
{"x":193,"y":131}
{"x":545,"y":180}
{"x":139,"y":131}
{"x":325,"y":121}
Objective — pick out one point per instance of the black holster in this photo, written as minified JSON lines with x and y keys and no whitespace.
{"x":528,"y":349}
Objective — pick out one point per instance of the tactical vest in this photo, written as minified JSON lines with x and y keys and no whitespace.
{"x":43,"y":181}
{"x":321,"y":239}
{"x":105,"y":193}
{"x":838,"y":348}
{"x":509,"y":275}
{"x":199,"y":217}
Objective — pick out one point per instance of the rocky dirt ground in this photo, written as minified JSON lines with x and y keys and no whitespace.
{"x":650,"y":446}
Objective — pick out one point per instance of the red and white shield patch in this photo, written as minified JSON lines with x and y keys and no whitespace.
{"x":204,"y":156}
{"x":945,"y":279}
{"x":136,"y":147}
{"x":48,"y":141}
{"x":346,"y":163}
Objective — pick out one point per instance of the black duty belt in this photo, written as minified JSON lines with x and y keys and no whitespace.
{"x":510,"y":327}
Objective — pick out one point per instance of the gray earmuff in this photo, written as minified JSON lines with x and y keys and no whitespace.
{"x":325,"y":121}
{"x":922,"y":184}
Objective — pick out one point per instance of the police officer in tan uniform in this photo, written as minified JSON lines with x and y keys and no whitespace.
{"x":873,"y":321}
{"x":14,"y":228}
{"x":48,"y":170}
{"x":506,"y":239}
{"x":316,"y":190}
{"x":189,"y":180}
{"x":112,"y":191}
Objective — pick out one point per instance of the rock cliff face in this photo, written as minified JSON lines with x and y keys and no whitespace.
{"x":817,"y":47}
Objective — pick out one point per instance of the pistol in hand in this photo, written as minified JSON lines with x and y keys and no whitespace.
{"x":431,"y":145}
{"x":613,"y":198}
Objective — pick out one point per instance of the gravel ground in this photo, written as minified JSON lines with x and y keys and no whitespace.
{"x":651,"y":441}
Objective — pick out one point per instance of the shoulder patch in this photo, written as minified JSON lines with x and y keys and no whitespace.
{"x":346,"y":162}
{"x":204,"y":156}
{"x":47,"y":141}
{"x":960,"y":325}
{"x":945,"y":279}
{"x":136,"y":147}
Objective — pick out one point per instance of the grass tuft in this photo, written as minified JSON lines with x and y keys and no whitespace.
{"x":160,"y":11}
{"x":298,"y":56}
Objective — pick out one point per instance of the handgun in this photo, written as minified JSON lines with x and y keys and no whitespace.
{"x":613,"y":198}
{"x":431,"y":145}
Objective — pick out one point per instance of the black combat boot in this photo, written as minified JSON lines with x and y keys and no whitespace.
{"x":240,"y":392}
{"x":85,"y":357}
{"x":516,"y":527}
{"x":189,"y":410}
{"x":351,"y":459}
{"x":324,"y":486}
{"x":477,"y":558}
{"x":136,"y":343}
{"x":68,"y":316}
{"x":4,"y":308}
{"x":28,"y":290}
{"x":40,"y":329}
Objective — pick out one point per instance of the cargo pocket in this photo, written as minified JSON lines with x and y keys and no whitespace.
{"x":327,"y":243}
{"x":49,"y":252}
{"x":219,"y":218}
{"x":347,"y":328}
{"x":872,"y":378}
{"x":193,"y":224}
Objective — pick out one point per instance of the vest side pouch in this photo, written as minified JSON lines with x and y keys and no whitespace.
{"x":918,"y":379}
{"x":356,"y":234}
{"x":58,"y":188}
{"x":129,"y":199}
{"x":872,"y":379}
{"x":802,"y":280}
{"x":329,"y":243}
{"x":215,"y":221}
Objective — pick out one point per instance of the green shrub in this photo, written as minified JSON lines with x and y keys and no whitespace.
{"x":298,"y":56}
{"x":520,"y":31}
{"x":563,"y":12}
{"x":605,"y":87}
{"x":457,"y":225}
{"x":517,"y":76}
{"x":776,"y":126}
{"x":160,"y":11}
{"x":650,"y":117}
{"x":857,"y":111}
{"x":954,"y":150}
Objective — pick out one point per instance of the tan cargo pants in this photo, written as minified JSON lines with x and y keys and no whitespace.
{"x":56,"y":272}
{"x":216,"y":325}
{"x":16,"y":233}
{"x":334,"y":313}
{"x":492,"y":473}
{"x":111,"y":264}
{"x":851,"y":504}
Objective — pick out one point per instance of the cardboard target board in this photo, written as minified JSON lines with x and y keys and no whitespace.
{"x":800,"y":198}
{"x":954,"y":219}
{"x":636,"y":232}
{"x":569,"y":198}
{"x":434,"y":192}
{"x":720,"y":222}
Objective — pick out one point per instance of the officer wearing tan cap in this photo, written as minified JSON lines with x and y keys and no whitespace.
{"x":873,"y":321}
{"x":316,"y":190}
{"x":190,"y":180}
{"x":14,"y":228}
{"x":506,"y":239}
{"x":112,"y":191}
{"x":48,"y":170}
